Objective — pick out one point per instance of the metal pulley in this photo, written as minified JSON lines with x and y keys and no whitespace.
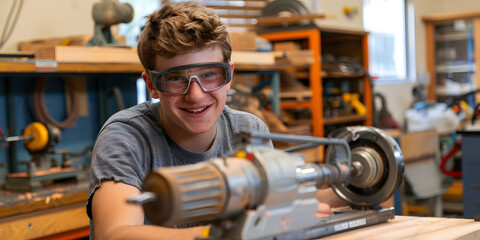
{"x":284,"y":8}
{"x":39,"y":137}
{"x":377,"y":166}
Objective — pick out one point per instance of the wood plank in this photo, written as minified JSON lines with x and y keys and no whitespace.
{"x":99,"y":68}
{"x":29,"y":67}
{"x":344,"y":119}
{"x":253,"y":57}
{"x":403,"y":227}
{"x":294,"y":105}
{"x":12,"y":203}
{"x":451,"y":16}
{"x":17,"y":67}
{"x":278,"y":21}
{"x":81,"y":54}
{"x":412,"y":150}
{"x":245,"y":8}
{"x":249,"y":27}
{"x":230,"y":16}
{"x":44,"y":223}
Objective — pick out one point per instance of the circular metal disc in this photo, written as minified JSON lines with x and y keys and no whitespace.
{"x":386,"y":148}
{"x":284,"y":8}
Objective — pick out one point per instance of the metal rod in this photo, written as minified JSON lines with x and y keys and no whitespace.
{"x":17,"y":138}
{"x":142,"y":198}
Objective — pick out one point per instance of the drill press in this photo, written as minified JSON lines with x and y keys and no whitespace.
{"x":40,"y":140}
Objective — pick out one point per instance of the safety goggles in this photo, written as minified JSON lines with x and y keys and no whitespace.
{"x":176,"y":80}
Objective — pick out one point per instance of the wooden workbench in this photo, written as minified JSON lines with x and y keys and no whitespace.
{"x":37,"y":215}
{"x":406,"y":227}
{"x":57,"y":212}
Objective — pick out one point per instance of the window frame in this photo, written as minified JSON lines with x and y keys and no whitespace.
{"x":409,"y":38}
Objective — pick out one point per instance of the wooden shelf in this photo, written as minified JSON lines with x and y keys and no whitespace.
{"x":344,"y":119}
{"x":51,"y":66}
{"x":294,"y":105}
{"x":35,"y":66}
{"x":342,"y":75}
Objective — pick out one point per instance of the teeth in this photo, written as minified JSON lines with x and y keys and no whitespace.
{"x":196,"y":110}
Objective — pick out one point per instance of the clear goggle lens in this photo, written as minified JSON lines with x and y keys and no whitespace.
{"x":177,"y":80}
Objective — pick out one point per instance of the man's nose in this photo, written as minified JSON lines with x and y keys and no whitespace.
{"x":195,"y":91}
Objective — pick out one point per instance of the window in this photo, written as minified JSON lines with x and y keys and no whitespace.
{"x":141,"y":8}
{"x":389,"y":34}
{"x":132,"y":30}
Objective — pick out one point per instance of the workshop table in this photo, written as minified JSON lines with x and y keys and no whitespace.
{"x":57,"y":212}
{"x":407,"y":227}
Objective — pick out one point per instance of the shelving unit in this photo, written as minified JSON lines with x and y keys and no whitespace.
{"x":352,"y":45}
{"x":453,"y":53}
{"x":453,"y":50}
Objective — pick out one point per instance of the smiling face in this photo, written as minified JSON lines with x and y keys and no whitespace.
{"x":195,"y":112}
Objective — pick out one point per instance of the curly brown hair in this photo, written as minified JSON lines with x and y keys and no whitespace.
{"x":179,"y":28}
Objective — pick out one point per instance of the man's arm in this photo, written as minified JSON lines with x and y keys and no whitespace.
{"x":114,"y":218}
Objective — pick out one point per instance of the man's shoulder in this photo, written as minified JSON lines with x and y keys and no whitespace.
{"x":237,"y":113}
{"x":241,"y":118}
{"x":138,"y":111}
{"x":140,"y":115}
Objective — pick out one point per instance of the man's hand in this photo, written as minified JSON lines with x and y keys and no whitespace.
{"x":324,"y":210}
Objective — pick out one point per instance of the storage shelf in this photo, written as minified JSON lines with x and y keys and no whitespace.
{"x":345,"y":119}
{"x":452,"y":37}
{"x":455,"y":68}
{"x":51,"y":66}
{"x":318,"y":40}
{"x":342,"y":75}
{"x":295,"y":105}
{"x":436,"y":41}
{"x":35,"y":66}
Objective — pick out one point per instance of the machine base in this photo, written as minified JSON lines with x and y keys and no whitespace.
{"x":342,"y":221}
{"x":346,"y":220}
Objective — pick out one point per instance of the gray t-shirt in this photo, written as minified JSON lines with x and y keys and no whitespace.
{"x":132,"y":142}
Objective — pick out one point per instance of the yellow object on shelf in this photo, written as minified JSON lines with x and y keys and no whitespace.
{"x":353,"y":100}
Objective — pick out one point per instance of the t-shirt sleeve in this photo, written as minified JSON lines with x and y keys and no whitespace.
{"x":120,"y":154}
{"x":244,"y":121}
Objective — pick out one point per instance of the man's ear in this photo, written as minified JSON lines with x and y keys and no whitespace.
{"x":231,"y":75}
{"x":150,"y":86}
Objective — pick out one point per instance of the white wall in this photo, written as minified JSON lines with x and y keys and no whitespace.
{"x":335,"y":16}
{"x":41,"y":19}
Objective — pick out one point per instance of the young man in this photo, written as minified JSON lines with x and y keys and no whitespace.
{"x":185,"y":50}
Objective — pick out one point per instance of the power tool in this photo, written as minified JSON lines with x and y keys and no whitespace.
{"x":265,"y":193}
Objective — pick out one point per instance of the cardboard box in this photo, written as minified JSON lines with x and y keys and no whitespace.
{"x":252,"y":57}
{"x":286,"y":46}
{"x":244,"y":41}
{"x":296,"y":58}
{"x":96,"y":54}
{"x":45,"y":48}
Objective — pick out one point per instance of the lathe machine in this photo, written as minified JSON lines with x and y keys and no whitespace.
{"x":265,"y":193}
